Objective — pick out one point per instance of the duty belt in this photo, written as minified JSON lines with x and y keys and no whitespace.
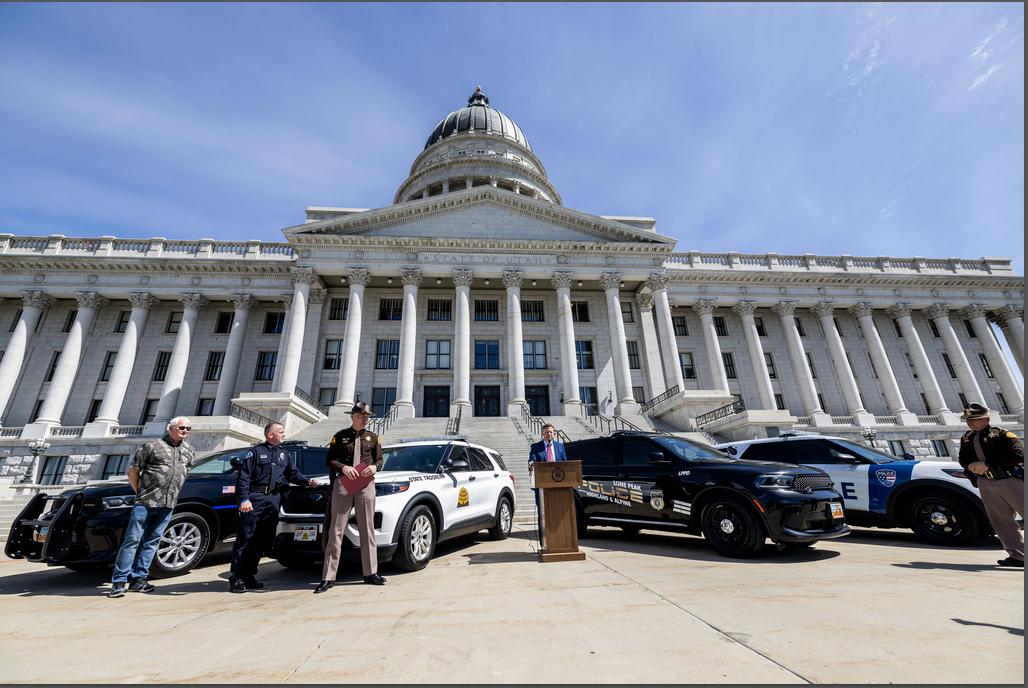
{"x":264,"y":489}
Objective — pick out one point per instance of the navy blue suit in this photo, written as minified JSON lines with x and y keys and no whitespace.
{"x":538,"y":453}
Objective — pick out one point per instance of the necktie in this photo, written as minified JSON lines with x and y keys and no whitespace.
{"x":549,"y":451}
{"x":357,"y":451}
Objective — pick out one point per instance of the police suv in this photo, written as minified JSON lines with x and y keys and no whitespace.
{"x":428,"y":490}
{"x":932,"y":498}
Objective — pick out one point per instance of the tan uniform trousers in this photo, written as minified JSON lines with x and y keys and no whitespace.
{"x":365,"y":508}
{"x":1004,"y":500}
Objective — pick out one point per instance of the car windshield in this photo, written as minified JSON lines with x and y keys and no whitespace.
{"x":215,"y":465}
{"x":689,"y":450}
{"x":423,"y":458}
{"x":872,"y":455}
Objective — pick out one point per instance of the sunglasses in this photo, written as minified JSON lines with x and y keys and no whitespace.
{"x":183,"y":428}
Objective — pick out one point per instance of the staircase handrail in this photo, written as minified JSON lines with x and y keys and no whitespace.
{"x":307,"y":398}
{"x":622,"y":423}
{"x":248,"y":416}
{"x":602,"y":423}
{"x":380,"y":425}
{"x":645,"y":407}
{"x":737,"y":406}
{"x":453,"y":424}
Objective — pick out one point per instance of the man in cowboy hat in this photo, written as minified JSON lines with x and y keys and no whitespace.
{"x":993,"y":459}
{"x":346,"y":450}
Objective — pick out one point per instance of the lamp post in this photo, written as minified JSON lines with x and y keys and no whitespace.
{"x":869,"y":434}
{"x":36,"y":447}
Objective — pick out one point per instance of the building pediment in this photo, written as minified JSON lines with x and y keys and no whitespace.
{"x":481,"y":213}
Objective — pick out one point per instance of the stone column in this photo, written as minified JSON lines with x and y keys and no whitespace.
{"x":71,"y":355}
{"x":843,"y":373}
{"x":33,"y":304}
{"x":121,"y":373}
{"x":408,"y":343}
{"x":925,"y":374}
{"x":283,"y":340}
{"x":798,"y":358}
{"x":650,"y":345}
{"x":167,"y":407}
{"x":561,"y":281}
{"x":766,"y":393}
{"x":1010,"y":318}
{"x":610,"y":282}
{"x":666,"y":331}
{"x":296,"y":323}
{"x":939,"y":314}
{"x":886,"y":376}
{"x":515,"y":343}
{"x":359,"y":278}
{"x":309,"y":362}
{"x":705,"y":307}
{"x":233,"y":353}
{"x":1012,"y":393}
{"x":462,"y":279}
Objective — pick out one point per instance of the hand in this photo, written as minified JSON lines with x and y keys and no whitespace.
{"x":369,"y":470}
{"x":246,"y":507}
{"x":979,"y":468}
{"x":350,"y":472}
{"x":312,"y":483}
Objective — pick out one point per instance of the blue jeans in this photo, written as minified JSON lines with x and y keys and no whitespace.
{"x":139,"y":544}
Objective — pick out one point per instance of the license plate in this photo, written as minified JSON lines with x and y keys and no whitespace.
{"x":836,"y":509}
{"x":40,"y":535}
{"x":306,"y":534}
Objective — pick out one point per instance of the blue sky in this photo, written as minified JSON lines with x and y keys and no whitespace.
{"x":852,"y":128}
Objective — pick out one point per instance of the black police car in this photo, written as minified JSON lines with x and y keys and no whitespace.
{"x":641,"y":480}
{"x":81,"y":528}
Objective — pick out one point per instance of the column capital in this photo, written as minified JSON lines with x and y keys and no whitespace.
{"x":304,"y":275}
{"x":193,"y":301}
{"x":318,"y":294}
{"x":644,"y":301}
{"x":562,"y":279}
{"x":610,"y":280}
{"x":287,"y":300}
{"x":657,"y":281}
{"x":1010,"y":312}
{"x":463,"y":277}
{"x":937,"y":310}
{"x":974,"y":310}
{"x":823,"y":309}
{"x":861,"y":310}
{"x":512,"y":278}
{"x":90,"y":299}
{"x":243,"y":302}
{"x":784,"y":308}
{"x":142,"y":299}
{"x":704,"y":306}
{"x":899,"y":310}
{"x":359,"y":276}
{"x":745,"y":308}
{"x":36,"y":299}
{"x":411,"y":277}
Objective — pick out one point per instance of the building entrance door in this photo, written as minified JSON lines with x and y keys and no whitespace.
{"x":487,"y":400}
{"x":589,"y":401}
{"x":437,"y":402}
{"x":538,"y":398}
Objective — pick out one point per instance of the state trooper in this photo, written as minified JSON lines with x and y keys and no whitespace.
{"x":265,"y":470}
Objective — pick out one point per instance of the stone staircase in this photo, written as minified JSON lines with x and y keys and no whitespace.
{"x":318,"y":434}
{"x":9,"y":510}
{"x":510,"y":437}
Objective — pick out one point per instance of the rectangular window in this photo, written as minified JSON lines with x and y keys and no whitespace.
{"x":273,"y":322}
{"x":535,"y":354}
{"x":1002,"y":403}
{"x":899,"y":330}
{"x":580,"y":311}
{"x":14,"y":321}
{"x":949,"y":365}
{"x":779,"y":402}
{"x":55,"y":357}
{"x":440,"y":309}
{"x":327,"y":396}
{"x":94,"y":410}
{"x":108,"y":367}
{"x":638,"y":394}
{"x":626,"y":312}
{"x":333,"y":354}
{"x":963,"y":400}
{"x":584,"y":354}
{"x":799,"y":327}
{"x":633,"y":355}
{"x":769,"y":361}
{"x":381,"y":399}
{"x":160,"y":366}
{"x":487,"y":354}
{"x":174,"y":321}
{"x":265,"y":371}
{"x":487,"y":310}
{"x":532,"y":311}
{"x":896,"y":447}
{"x":720,"y":326}
{"x":681,"y":326}
{"x":940,"y":448}
{"x":387,"y":354}
{"x":910,"y":364}
{"x":70,"y":320}
{"x":872,"y":362}
{"x":223,"y":325}
{"x":688,"y":369}
{"x":337,"y":308}
{"x":149,"y":411}
{"x":729,"y":360}
{"x":390,"y":309}
{"x":53,"y":470}
{"x":810,"y":364}
{"x":114,"y":464}
{"x":985,"y":365}
{"x":205,"y":407}
{"x":123,"y":321}
{"x":437,"y":354}
{"x":212,"y":372}
{"x":758,"y":322}
{"x":970,"y":329}
{"x":934,"y":328}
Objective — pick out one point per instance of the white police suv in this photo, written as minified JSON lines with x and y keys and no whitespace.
{"x":428,"y":490}
{"x":932,"y":498}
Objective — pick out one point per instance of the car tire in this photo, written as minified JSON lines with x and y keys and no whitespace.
{"x":504,"y":520}
{"x":944,"y":520}
{"x":182,"y":546}
{"x":417,"y":539}
{"x":731,"y":527}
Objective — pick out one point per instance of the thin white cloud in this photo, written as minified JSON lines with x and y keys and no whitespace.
{"x":982,"y":78}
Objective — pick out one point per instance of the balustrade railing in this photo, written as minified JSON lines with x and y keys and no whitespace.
{"x":737,"y":406}
{"x":10,"y":433}
{"x":885,"y":420}
{"x":1010,"y":418}
{"x":127,"y":430}
{"x":842,"y":420}
{"x":771,"y":261}
{"x":647,"y":405}
{"x":248,"y":416}
{"x":803,"y":421}
{"x":453,"y":424}
{"x":66,"y":431}
{"x":307,"y":398}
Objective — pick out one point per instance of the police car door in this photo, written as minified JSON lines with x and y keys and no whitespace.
{"x":485,"y":481}
{"x":644,"y":482}
{"x":457,"y":493}
{"x":847,"y":469}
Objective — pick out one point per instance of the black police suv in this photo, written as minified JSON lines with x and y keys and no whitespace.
{"x":641,"y":480}
{"x":81,"y":528}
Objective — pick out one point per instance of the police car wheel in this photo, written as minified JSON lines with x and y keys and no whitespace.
{"x":504,"y":520}
{"x":183,"y":545}
{"x":943,"y":520}
{"x":732,"y":528}
{"x":417,"y":539}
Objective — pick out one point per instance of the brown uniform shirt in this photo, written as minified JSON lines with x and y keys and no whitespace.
{"x":340,"y":450}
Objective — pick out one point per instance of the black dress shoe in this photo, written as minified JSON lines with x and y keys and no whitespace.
{"x":254,"y":584}
{"x":1010,"y":561}
{"x":323,"y":586}
{"x":374,"y":579}
{"x":236,"y":585}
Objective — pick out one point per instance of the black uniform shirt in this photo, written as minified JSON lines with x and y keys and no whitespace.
{"x":265,"y":465}
{"x":1003,"y":450}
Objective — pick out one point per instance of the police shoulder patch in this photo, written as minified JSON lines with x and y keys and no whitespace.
{"x":249,"y":454}
{"x":332,"y":441}
{"x":1011,"y":435}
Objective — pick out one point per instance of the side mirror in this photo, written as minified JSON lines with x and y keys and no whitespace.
{"x":908,"y":456}
{"x":656,"y":457}
{"x":848,"y":458}
{"x":457,"y":465}
{"x":236,"y":462}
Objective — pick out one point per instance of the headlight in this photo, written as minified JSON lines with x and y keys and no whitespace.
{"x":775,"y":482}
{"x":955,"y":472}
{"x":118,"y":502}
{"x":382,"y":489}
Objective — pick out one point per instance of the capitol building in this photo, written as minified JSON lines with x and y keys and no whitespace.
{"x":478,"y":294}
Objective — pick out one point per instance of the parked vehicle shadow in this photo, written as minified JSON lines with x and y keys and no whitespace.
{"x":899,"y":537}
{"x":1009,"y":629}
{"x":947,"y":566}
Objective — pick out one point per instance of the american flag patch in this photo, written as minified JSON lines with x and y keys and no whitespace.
{"x":228,"y":489}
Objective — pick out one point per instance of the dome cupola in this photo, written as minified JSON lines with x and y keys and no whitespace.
{"x":478,"y":117}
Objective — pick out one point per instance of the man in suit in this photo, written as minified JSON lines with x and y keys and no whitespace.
{"x":547,"y":449}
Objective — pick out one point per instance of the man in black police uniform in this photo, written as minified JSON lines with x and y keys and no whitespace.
{"x":993,"y":460}
{"x":265,"y":470}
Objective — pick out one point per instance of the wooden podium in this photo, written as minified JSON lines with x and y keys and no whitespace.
{"x":557,"y":481}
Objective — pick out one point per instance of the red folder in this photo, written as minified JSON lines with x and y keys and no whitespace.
{"x":355,"y":485}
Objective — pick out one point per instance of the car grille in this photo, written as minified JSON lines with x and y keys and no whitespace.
{"x":808,"y":483}
{"x":53,"y":505}
{"x":309,"y":500}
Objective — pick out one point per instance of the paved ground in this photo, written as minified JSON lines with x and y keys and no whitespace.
{"x":874,"y":607}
